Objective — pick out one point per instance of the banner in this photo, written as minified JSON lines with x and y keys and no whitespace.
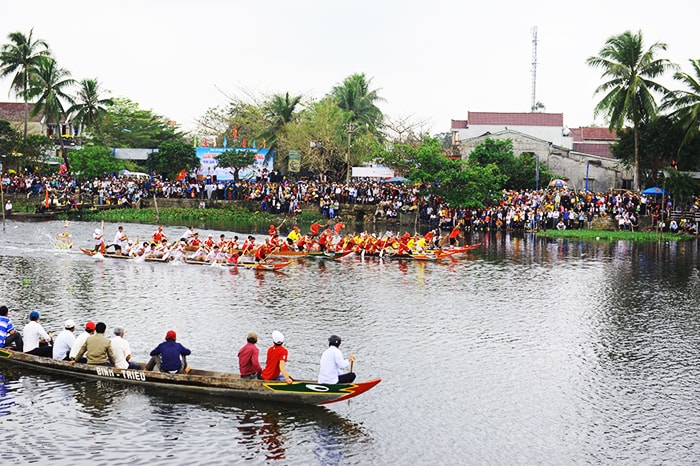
{"x":209,"y":166}
{"x":294,"y":163}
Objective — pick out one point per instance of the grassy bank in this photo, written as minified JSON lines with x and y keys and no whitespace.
{"x":602,"y":235}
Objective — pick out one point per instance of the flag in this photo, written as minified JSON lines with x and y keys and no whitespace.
{"x":264,"y":143}
{"x":46,"y":201}
{"x":181,"y":175}
{"x":235,"y":131}
{"x":225,"y":142}
{"x":253,"y":143}
{"x":244,"y":142}
{"x":194,"y":141}
{"x":206,"y":144}
{"x":213,"y":144}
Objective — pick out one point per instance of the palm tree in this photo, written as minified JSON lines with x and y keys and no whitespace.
{"x":279,"y":112}
{"x":686,"y":104}
{"x":49,"y":85}
{"x":355,"y":97}
{"x":630,"y":70}
{"x":21,"y":56}
{"x":90,"y":106}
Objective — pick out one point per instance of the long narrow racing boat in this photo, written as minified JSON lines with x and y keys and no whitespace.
{"x":224,"y":384}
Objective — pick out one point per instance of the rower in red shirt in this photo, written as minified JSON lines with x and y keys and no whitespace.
{"x":158,"y":235}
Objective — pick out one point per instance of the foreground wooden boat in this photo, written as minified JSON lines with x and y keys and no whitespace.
{"x":224,"y":384}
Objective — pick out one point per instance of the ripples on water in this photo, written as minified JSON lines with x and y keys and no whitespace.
{"x":527,"y":351}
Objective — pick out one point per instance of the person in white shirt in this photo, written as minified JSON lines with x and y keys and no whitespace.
{"x":36,"y":340}
{"x":120,"y":240}
{"x":80,"y":341}
{"x":64,"y":341}
{"x":333,"y":364}
{"x":122,"y":350}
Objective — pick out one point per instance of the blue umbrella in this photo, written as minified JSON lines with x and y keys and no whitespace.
{"x":655,"y":191}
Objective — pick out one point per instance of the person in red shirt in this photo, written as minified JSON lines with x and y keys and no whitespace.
{"x":159,"y":236}
{"x":338,"y":226}
{"x":261,"y":253}
{"x":276,"y":363}
{"x":248,"y":358}
{"x":195,"y":241}
{"x":314,"y":229}
{"x":454,"y":235}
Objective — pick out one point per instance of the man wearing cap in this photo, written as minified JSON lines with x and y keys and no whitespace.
{"x":333,"y":365}
{"x":97,"y":348}
{"x":80,"y":341}
{"x":64,"y":341}
{"x":122,"y":350}
{"x":275,"y":365}
{"x":159,"y":236}
{"x":248,"y":358}
{"x":170,"y":355}
{"x":8,"y":333}
{"x":36,"y":340}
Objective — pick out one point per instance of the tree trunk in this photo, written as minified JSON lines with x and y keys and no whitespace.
{"x":636,"y":179}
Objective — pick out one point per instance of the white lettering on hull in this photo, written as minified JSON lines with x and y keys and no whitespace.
{"x":124,"y":374}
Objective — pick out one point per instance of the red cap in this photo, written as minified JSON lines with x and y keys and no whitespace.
{"x":90,"y":325}
{"x":171,"y":335}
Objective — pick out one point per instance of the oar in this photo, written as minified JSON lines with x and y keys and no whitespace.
{"x":102,"y":246}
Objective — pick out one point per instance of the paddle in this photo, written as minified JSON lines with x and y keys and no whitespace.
{"x":102,"y":245}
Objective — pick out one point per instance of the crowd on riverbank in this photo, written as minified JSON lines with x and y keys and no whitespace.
{"x":535,"y":209}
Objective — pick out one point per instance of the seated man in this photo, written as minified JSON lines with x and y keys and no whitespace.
{"x":333,"y":364}
{"x":97,"y":348}
{"x":36,"y":340}
{"x":169,"y":356}
{"x":276,"y":363}
{"x":9,"y":336}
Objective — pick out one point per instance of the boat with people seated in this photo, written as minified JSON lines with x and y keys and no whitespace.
{"x":197,"y":381}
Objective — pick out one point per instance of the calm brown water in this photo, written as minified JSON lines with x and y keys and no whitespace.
{"x":529,"y":351}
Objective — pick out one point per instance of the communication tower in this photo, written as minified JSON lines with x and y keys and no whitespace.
{"x":533,"y":96}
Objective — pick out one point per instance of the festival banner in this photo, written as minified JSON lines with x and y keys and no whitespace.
{"x":294,"y":162}
{"x":209,"y":165}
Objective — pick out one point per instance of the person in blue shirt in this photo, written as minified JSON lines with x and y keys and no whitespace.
{"x":169,"y":356}
{"x":8,"y":334}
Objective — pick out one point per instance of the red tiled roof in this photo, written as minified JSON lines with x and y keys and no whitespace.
{"x":14,"y":112}
{"x":597,"y":134}
{"x":516,"y":119}
{"x":593,"y":148}
{"x":458,"y":124}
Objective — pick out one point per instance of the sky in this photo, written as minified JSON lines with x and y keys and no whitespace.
{"x":431,"y":61}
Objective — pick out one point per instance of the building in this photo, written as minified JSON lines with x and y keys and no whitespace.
{"x":14,"y":113}
{"x":580,"y":156}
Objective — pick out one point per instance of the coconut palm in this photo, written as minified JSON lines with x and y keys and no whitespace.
{"x":20,"y":57}
{"x":686,"y":103}
{"x":49,"y":84}
{"x":89,"y":106}
{"x":629,"y":89}
{"x":355,"y":97}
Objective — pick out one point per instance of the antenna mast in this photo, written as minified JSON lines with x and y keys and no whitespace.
{"x":534,"y":69}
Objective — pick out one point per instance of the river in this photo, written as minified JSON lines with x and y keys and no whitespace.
{"x":526,"y":351}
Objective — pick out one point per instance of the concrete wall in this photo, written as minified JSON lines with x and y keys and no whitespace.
{"x":603,"y":173}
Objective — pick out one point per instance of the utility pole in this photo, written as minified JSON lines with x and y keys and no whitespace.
{"x":350,"y":127}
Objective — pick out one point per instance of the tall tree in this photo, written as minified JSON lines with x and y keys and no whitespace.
{"x":355,"y":97}
{"x":686,"y":104}
{"x":629,"y":90}
{"x":172,"y":157}
{"x":279,"y":111}
{"x":126,"y":125}
{"x":90,"y":106}
{"x":20,"y":57}
{"x":50,"y":85}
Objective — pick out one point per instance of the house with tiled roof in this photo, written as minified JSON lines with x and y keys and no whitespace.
{"x":593,"y":140}
{"x":14,"y":113}
{"x":547,"y":126}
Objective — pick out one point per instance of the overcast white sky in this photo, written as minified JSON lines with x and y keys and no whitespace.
{"x":431,"y":61}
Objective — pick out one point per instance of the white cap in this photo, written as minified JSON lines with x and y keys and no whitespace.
{"x":277,"y":337}
{"x":97,"y":231}
{"x":69,"y":324}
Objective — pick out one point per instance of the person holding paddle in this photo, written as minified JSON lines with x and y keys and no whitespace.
{"x":333,"y":365}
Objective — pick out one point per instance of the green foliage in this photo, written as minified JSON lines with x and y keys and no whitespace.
{"x":173,"y":157}
{"x":236,"y":159}
{"x":517,"y":172}
{"x":90,"y":107}
{"x":682,"y":186}
{"x":659,"y":141}
{"x":355,"y":97}
{"x":94,"y":161}
{"x":686,"y":104}
{"x":460,"y":184}
{"x":126,"y":125}
{"x":8,"y":138}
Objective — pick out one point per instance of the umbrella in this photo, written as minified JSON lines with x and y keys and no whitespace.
{"x":655,"y":191}
{"x":558,"y":183}
{"x":397,"y":179}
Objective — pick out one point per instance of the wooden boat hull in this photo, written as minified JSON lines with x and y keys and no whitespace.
{"x":265,"y":266}
{"x":106,"y":254}
{"x":305,"y":392}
